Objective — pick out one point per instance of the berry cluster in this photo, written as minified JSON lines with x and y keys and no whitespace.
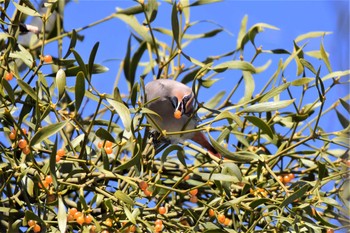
{"x":35,"y":227}
{"x":21,"y":143}
{"x":108,"y":146}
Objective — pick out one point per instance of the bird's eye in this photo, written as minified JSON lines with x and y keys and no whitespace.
{"x":174,"y":101}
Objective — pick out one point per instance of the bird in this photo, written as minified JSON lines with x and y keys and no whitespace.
{"x":174,"y":102}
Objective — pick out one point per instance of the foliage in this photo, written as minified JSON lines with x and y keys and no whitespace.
{"x":281,"y":172}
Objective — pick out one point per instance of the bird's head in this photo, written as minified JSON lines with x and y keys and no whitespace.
{"x":183,"y":104}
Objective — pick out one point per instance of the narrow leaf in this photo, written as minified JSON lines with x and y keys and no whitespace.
{"x":79,"y":90}
{"x":61,"y":83}
{"x":324,"y":57}
{"x":92,"y":59}
{"x":242,"y":31}
{"x":296,"y":195}
{"x":311,"y":35}
{"x":61,"y":215}
{"x":265,"y":128}
{"x":123,"y":113}
{"x":240,"y":65}
{"x":26,"y":10}
{"x":46,"y":132}
{"x":175,"y":25}
{"x":268,"y":106}
{"x":104,"y":135}
{"x":72,"y":44}
{"x":345,"y":105}
{"x":301,"y":81}
{"x":27,"y":89}
{"x":249,"y":86}
{"x":135,"y":25}
{"x":242,"y":156}
{"x":124,"y":197}
{"x":81,"y":63}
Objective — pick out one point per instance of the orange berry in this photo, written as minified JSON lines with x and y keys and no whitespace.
{"x":9,"y":76}
{"x":147,"y":193}
{"x":24,"y":131}
{"x":227,"y":222}
{"x":108,"y":150}
{"x":194,"y":199}
{"x":187,"y":177}
{"x":48,"y":179}
{"x":31,"y":223}
{"x":12,"y":136}
{"x":158,"y":228}
{"x":109,"y":222}
{"x":80,"y":220}
{"x":194,"y":192}
{"x":70,"y":217}
{"x":93,"y":229}
{"x":58,"y":158}
{"x":348,"y":162}
{"x":105,"y":231}
{"x":280,"y":178}
{"x":132,"y":228}
{"x":60,"y":152}
{"x":72,"y":211}
{"x":100,"y":144}
{"x":47,"y":58}
{"x":88,"y":219}
{"x":22,"y":143}
{"x":221,"y":218}
{"x":162,"y":210}
{"x":36,"y":228}
{"x":330,"y":230}
{"x":108,"y":144}
{"x":77,"y":215}
{"x":286,"y":179}
{"x":291,"y":176}
{"x":26,"y":150}
{"x":211,"y":213}
{"x":158,"y":222}
{"x":177,"y":114}
{"x":143,"y":185}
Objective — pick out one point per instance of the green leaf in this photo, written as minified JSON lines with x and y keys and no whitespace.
{"x":301,"y":81}
{"x":123,"y":113}
{"x":26,"y":10}
{"x":265,"y":128}
{"x":202,"y":2}
{"x":7,"y":87}
{"x":218,"y":177}
{"x":92,"y":59}
{"x":124,"y":197}
{"x":324,"y":57}
{"x":126,"y":62}
{"x":268,"y":106}
{"x":135,"y":62}
{"x":175,"y":26}
{"x":104,"y":135}
{"x":336,"y":74}
{"x":61,"y":83}
{"x":294,"y":55}
{"x":27,"y":89}
{"x":249,"y":86}
{"x":81,"y":63}
{"x":311,"y":35}
{"x":296,"y":195}
{"x":232,"y":169}
{"x":46,"y":132}
{"x":342,"y":119}
{"x":240,"y":65}
{"x":129,"y":215}
{"x":241,"y":156}
{"x":230,"y":117}
{"x":273,"y":92}
{"x":131,"y":10}
{"x":151,"y":10}
{"x":24,"y":55}
{"x":186,"y":10}
{"x":79,"y":90}
{"x":308,"y":65}
{"x":345,"y":105}
{"x":73,"y":42}
{"x":180,"y":154}
{"x":242,"y":31}
{"x":136,"y":26}
{"x":322,"y":170}
{"x":61,"y":215}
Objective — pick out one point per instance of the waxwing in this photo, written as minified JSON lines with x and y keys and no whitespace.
{"x":174,"y":102}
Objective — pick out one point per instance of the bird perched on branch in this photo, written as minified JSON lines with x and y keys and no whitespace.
{"x":174,"y":102}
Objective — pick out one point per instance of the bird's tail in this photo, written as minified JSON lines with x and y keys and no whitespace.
{"x":200,"y":138}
